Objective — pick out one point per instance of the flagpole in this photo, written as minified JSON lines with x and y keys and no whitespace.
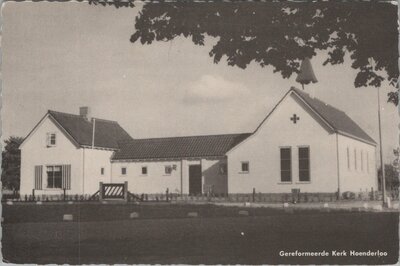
{"x":380,"y":151}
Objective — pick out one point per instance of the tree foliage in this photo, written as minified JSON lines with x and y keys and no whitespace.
{"x":282,"y":33}
{"x":11,"y":163}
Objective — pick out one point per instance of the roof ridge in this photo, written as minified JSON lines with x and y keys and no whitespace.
{"x":105,"y":120}
{"x":313,"y":103}
{"x":297,"y":90}
{"x":75,"y":115}
{"x":179,"y":137}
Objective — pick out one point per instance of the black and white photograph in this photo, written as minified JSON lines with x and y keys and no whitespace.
{"x":200,"y":132}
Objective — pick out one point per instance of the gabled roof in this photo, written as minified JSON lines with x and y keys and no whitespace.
{"x":336,"y":118}
{"x":107,"y":133}
{"x":178,"y":147}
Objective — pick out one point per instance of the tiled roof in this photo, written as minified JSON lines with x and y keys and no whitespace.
{"x":336,"y":118}
{"x":107,"y":133}
{"x":179,"y":147}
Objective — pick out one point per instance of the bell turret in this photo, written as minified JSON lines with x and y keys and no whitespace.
{"x":306,"y":74}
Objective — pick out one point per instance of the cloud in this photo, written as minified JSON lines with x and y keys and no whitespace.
{"x":215,"y":89}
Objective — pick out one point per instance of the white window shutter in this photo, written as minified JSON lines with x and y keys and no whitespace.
{"x":48,"y":139}
{"x":66,"y":176}
{"x":38,"y":177}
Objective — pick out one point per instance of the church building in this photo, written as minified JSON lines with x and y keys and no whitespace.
{"x":303,"y":143}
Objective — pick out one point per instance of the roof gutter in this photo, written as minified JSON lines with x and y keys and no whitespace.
{"x":168,"y":159}
{"x":356,"y":138}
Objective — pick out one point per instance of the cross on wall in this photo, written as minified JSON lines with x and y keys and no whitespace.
{"x":294,"y":118}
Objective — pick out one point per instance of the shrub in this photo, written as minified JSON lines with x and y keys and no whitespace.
{"x":348,"y":195}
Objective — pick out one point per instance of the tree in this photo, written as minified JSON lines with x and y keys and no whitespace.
{"x":282,"y":33}
{"x":391,"y":179}
{"x":11,"y":163}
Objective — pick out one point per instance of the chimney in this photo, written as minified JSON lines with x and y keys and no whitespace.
{"x":84,"y":111}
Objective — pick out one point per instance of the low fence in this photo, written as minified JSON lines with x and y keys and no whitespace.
{"x":237,"y":197}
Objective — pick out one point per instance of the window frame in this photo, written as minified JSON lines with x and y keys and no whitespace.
{"x":49,"y":139}
{"x":348,"y":159}
{"x":53,"y":177}
{"x":309,"y":163}
{"x":355,"y":159}
{"x":362,"y":161}
{"x":122,"y":172}
{"x":168,"y":173}
{"x":144,"y":167}
{"x":242,"y":163}
{"x":290,"y":167}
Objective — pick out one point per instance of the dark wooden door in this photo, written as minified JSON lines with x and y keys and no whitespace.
{"x":194,"y":179}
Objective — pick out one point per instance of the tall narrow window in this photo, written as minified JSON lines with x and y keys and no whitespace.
{"x":367,"y":162}
{"x":304,"y":164}
{"x":286,"y":164}
{"x":355,"y":159}
{"x":348,"y":158}
{"x":362,"y":161}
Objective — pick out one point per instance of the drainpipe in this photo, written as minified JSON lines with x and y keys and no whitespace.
{"x":337,"y":164}
{"x":83,"y":171}
{"x":181,"y":177}
{"x":94,"y":128}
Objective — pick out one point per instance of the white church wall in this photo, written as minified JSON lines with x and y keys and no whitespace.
{"x":94,"y":160}
{"x":357,"y":172}
{"x":155,"y":181}
{"x":34,"y":152}
{"x":212,"y":176}
{"x":262,"y":152}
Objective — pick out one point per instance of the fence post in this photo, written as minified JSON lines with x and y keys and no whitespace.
{"x":33,"y":194}
{"x":65,"y":195}
{"x":101,"y":191}
{"x":167,"y":194}
{"x":126,"y":191}
{"x":254,"y":194}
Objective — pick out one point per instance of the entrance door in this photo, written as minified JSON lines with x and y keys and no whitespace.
{"x":194,"y":179}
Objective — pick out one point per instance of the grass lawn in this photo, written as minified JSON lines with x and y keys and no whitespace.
{"x":163,"y":234}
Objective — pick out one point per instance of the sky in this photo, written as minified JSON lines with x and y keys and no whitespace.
{"x":61,"y":56}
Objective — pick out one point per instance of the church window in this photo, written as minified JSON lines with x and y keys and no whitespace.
{"x":286,"y":164}
{"x":362,"y":161}
{"x":245,"y":167}
{"x":348,"y":158}
{"x":367,"y":162}
{"x":355,"y":158}
{"x":304,"y":164}
{"x":102,"y":171}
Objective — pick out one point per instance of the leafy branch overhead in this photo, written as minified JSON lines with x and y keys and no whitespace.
{"x":281,"y":34}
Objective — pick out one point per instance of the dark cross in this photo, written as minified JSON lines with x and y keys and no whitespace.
{"x":295,"y":118}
